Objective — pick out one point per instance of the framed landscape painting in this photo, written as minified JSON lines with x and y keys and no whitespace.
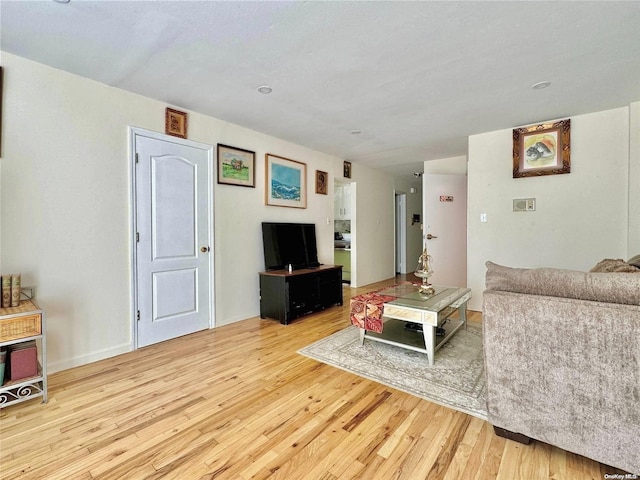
{"x":286,"y":182}
{"x":236,"y":166}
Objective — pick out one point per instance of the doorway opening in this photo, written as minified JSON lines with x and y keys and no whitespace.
{"x":401,"y":232}
{"x":344,"y":214}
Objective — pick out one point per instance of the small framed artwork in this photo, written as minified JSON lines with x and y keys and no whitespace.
{"x":175,"y":123}
{"x":543,"y":149}
{"x":321,"y":182}
{"x":347,"y":169}
{"x":286,"y":182}
{"x":236,"y":166}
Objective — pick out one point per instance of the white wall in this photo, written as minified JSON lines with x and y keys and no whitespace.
{"x":447,"y":166}
{"x":65,"y":207}
{"x":580,"y":217}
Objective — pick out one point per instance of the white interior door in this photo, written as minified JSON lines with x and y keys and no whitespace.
{"x":445,"y":227}
{"x":173,"y":254}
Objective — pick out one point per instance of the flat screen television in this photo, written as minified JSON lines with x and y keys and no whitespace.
{"x":289,"y":244}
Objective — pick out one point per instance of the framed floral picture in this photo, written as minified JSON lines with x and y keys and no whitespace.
{"x":286,"y":182}
{"x":543,"y":149}
{"x":236,"y":166}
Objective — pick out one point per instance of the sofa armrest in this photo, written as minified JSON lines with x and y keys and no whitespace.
{"x":566,"y":372}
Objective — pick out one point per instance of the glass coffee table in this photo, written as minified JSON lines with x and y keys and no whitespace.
{"x":411,"y":312}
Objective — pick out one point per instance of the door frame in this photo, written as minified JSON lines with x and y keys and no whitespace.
{"x":133,"y":132}
{"x":400,"y":237}
{"x":352,"y":202}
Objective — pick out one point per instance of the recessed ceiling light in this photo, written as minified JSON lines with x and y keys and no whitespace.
{"x":265,"y":89}
{"x":540,"y":85}
{"x":355,"y":132}
{"x":62,"y":1}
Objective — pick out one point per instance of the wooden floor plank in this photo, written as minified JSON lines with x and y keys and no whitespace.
{"x":238,"y":402}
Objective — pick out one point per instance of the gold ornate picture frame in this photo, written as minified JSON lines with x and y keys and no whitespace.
{"x":175,"y":123}
{"x":543,"y":149}
{"x":322,"y":180}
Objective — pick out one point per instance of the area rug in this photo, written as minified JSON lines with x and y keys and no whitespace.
{"x":455,"y":380}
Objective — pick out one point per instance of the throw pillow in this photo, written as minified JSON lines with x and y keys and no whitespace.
{"x":610,"y":265}
{"x":634,"y":261}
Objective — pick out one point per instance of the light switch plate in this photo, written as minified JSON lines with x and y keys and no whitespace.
{"x":531,"y":204}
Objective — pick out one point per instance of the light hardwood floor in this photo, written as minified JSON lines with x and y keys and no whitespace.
{"x":238,"y":402}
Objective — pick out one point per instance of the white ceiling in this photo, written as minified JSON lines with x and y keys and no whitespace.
{"x":417,"y":78}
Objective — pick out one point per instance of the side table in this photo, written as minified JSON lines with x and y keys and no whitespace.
{"x":20,"y":324}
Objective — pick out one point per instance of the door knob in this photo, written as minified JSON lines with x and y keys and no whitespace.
{"x":204,"y":249}
{"x":429,"y":236}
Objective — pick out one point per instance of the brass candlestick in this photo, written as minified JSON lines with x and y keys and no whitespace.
{"x":424,"y":271}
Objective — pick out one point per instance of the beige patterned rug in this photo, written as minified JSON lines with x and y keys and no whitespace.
{"x":455,"y":380}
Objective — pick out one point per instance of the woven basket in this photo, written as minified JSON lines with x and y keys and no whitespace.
{"x":20,"y":327}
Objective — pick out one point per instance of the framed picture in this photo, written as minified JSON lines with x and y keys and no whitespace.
{"x":286,"y":182}
{"x":347,"y":169}
{"x":543,"y":149}
{"x":236,"y":166}
{"x":175,"y":123}
{"x":321,"y":182}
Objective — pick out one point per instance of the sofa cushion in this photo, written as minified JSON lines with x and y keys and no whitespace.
{"x":555,"y":282}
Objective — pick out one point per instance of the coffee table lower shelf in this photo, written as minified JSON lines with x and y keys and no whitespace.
{"x":395,"y":333}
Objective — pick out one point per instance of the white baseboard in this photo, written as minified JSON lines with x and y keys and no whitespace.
{"x":236,"y":318}
{"x":90,"y":358}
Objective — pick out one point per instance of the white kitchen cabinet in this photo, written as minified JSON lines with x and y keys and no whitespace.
{"x":342,"y":202}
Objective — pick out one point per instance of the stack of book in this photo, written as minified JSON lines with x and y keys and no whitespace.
{"x":11,"y":290}
{"x":3,"y":361}
{"x":23,"y":360}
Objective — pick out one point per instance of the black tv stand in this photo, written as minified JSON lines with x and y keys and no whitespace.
{"x":286,"y":295}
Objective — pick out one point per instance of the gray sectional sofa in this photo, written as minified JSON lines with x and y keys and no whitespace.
{"x":562,"y":358}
